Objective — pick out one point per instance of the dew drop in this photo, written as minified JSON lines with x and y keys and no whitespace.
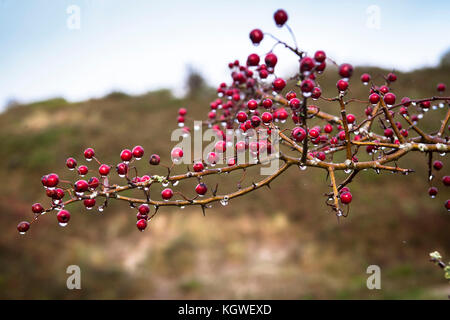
{"x":175,"y":183}
{"x":22,"y":232}
{"x":63,"y":224}
{"x":101,"y":208}
{"x":302,"y":167}
{"x":165,"y":183}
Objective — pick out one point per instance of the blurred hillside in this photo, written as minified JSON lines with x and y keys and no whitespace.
{"x":282,"y":243}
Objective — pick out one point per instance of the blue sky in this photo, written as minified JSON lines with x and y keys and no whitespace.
{"x":136,"y":46}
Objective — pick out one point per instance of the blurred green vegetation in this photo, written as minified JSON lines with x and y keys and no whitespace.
{"x":282,"y":243}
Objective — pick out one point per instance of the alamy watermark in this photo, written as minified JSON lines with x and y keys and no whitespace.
{"x":374,"y":280}
{"x":249,"y":147}
{"x":74,"y":280}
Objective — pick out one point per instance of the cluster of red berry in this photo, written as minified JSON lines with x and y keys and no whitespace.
{"x":254,"y":101}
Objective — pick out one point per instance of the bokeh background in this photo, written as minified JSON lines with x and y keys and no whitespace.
{"x":118,"y":81}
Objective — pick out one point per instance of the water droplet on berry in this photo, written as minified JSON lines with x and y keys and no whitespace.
{"x":302,"y":167}
{"x":63,"y":224}
{"x":441,"y":105}
{"x":365,"y":83}
{"x":101,"y":208}
{"x":432,"y":196}
{"x":175,"y":183}
{"x":307,"y":94}
{"x":165,"y":183}
{"x":430,"y":177}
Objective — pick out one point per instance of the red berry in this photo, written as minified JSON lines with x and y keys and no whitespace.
{"x":231,"y":162}
{"x":122,"y":169}
{"x":328,"y":128}
{"x":143,"y":209}
{"x":441,"y":87}
{"x":126,"y":155}
{"x":342,"y":135}
{"x":81,"y":186}
{"x":104,"y":170}
{"x":391,"y":77}
{"x":374,"y":98}
{"x":447,"y":205}
{"x":23,"y":227}
{"x":253,"y":60}
{"x":351,"y":118}
{"x":83,"y":170}
{"x":321,"y":156}
{"x":294,"y":103}
{"x":212,"y":158}
{"x":138,"y":152}
{"x":182,"y":112}
{"x":446,"y":180}
{"x":314,"y":133}
{"x":89,"y":153}
{"x":342,"y":85}
{"x":298,"y":134}
{"x":271,"y":60}
{"x":307,"y":85}
{"x":141,"y":224}
{"x":267,"y":103}
{"x":252,"y":104}
{"x":425,"y":104}
{"x":256,"y":36}
{"x":438,"y":165}
{"x":198,"y":167}
{"x":404,"y":132}
{"x":389,"y":98}
{"x":63,"y":216}
{"x":93,"y":183}
{"x":320,"y":56}
{"x":266,"y":117}
{"x":346,"y":197}
{"x":306,"y":64}
{"x":345,"y":70}
{"x":365,"y":78}
{"x":290,"y":95}
{"x":388,"y":132}
{"x":316,"y":93}
{"x":154,"y":159}
{"x":220,"y":146}
{"x":384,"y":89}
{"x":177,"y":153}
{"x":52,"y":180}
{"x":242,"y":116}
{"x":167,"y":193}
{"x":255,"y":121}
{"x":433,"y":191}
{"x":201,"y":189}
{"x":71,"y":163}
{"x":406,"y":101}
{"x":37,"y":208}
{"x":89,"y":203}
{"x":279,"y":84}
{"x":280,"y":16}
